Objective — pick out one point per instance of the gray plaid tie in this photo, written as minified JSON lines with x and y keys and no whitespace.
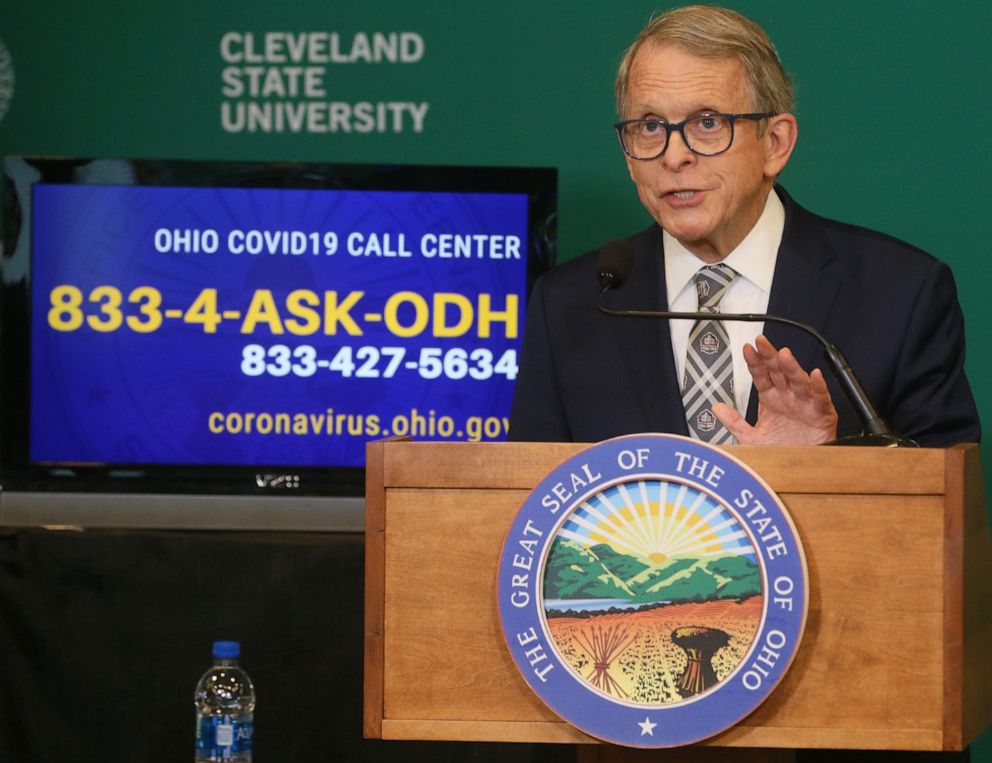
{"x":709,"y":365}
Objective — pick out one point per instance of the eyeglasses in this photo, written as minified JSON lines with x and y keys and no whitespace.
{"x":704,"y":134}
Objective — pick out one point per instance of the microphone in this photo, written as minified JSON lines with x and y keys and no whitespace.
{"x":615,"y":262}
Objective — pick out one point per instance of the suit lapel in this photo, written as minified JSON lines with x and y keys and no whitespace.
{"x":645,"y":344}
{"x":803,"y":289}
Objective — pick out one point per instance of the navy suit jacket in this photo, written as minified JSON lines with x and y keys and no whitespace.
{"x":891,"y":308}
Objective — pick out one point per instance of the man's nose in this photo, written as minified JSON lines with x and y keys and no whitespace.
{"x":677,"y":155}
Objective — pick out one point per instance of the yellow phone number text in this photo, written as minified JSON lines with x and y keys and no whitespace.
{"x":301,"y":312}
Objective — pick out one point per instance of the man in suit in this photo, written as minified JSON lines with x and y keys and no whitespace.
{"x":706,"y":129}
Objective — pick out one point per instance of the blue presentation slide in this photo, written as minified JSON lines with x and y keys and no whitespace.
{"x":283,"y":327}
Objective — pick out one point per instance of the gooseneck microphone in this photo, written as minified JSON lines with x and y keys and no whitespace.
{"x":615,"y":262}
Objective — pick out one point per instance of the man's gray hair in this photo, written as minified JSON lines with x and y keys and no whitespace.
{"x":708,"y":31}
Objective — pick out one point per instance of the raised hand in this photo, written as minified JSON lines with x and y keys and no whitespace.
{"x":794,"y":407}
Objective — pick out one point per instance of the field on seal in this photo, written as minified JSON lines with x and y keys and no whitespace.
{"x":631,"y":655}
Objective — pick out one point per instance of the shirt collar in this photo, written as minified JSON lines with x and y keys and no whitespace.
{"x":754,"y":258}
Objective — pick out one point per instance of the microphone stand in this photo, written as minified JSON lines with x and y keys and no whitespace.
{"x":876,"y":432}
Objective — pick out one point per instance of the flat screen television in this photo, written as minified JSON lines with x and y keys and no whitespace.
{"x":189,"y":340}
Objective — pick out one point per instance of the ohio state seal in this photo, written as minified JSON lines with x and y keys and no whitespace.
{"x":652,"y":590}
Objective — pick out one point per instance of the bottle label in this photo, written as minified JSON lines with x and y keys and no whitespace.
{"x":222,"y":737}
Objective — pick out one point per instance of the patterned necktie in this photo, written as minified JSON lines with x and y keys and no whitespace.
{"x":709,"y":363}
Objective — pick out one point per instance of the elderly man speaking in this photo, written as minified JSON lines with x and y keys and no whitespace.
{"x":706,"y":127}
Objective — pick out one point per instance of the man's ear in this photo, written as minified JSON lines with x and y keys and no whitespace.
{"x":780,"y":137}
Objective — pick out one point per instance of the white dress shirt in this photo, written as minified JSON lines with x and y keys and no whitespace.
{"x":754,"y":260}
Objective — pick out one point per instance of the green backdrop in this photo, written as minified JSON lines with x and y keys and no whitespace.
{"x":893,"y":104}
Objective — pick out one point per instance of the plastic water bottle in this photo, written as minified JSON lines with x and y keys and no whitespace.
{"x":225,"y":708}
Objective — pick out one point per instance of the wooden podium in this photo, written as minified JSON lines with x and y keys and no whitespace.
{"x":897,"y":652}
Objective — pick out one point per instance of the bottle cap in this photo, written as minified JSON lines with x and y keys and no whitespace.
{"x":227,"y":650}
